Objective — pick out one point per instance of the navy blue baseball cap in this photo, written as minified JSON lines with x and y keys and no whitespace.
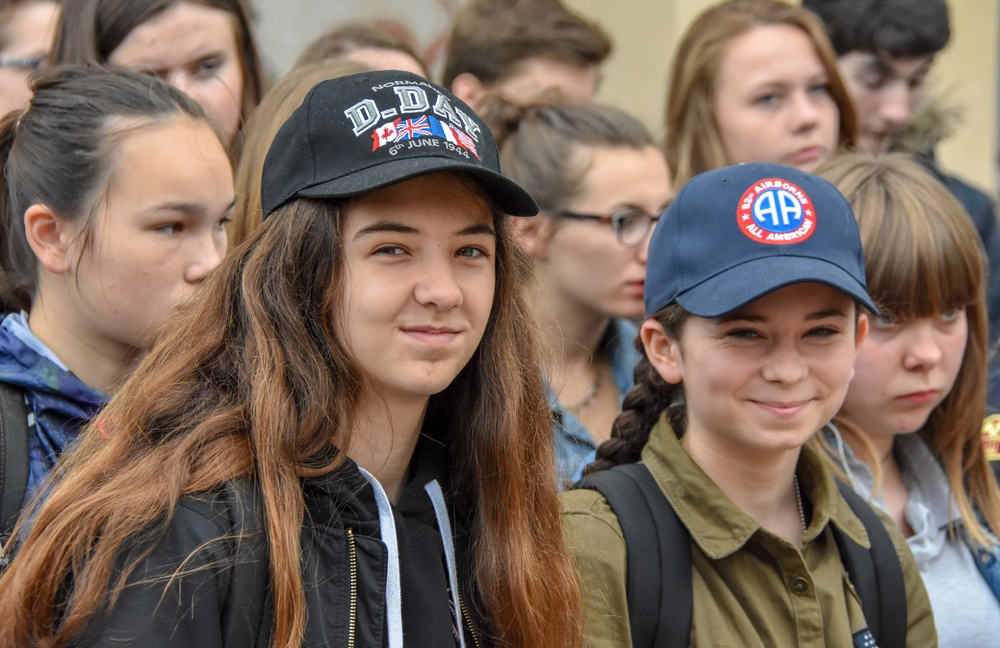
{"x":358,"y":133}
{"x":735,"y":234}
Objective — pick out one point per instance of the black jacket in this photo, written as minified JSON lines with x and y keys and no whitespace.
{"x":222,"y":598}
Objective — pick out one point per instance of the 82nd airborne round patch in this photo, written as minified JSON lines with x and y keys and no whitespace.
{"x":776,"y":212}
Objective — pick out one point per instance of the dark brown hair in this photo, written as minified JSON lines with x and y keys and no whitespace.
{"x":490,"y":37}
{"x":60,"y":152}
{"x":348,"y":38}
{"x":643,"y":405}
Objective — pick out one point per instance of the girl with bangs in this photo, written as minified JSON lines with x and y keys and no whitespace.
{"x":909,"y":434}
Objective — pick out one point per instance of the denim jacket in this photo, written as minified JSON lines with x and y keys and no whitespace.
{"x":574,"y":447}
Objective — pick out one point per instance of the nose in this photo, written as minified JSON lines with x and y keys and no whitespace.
{"x":207,"y":257}
{"x":896,"y":107}
{"x":805,"y":113}
{"x":784,"y":364}
{"x":923,"y":349}
{"x":438,"y":286}
{"x":642,"y":250}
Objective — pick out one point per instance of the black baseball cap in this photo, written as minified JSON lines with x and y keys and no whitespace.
{"x":735,"y":234}
{"x":358,"y":133}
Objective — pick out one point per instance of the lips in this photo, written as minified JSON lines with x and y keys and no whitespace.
{"x":807,"y":155}
{"x":921,"y":397}
{"x":431,"y":335}
{"x":635,"y":287}
{"x":782,"y":409}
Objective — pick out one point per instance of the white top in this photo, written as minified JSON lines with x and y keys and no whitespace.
{"x":966,"y":611}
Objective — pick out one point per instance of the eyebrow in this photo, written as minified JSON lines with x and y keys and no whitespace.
{"x":760,"y":319}
{"x":399,"y":228}
{"x":186,"y":208}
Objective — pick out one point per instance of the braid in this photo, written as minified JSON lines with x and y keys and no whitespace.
{"x":644,"y":403}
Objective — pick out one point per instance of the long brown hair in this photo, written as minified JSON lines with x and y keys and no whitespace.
{"x":648,"y":399}
{"x":693,"y":143}
{"x":923,"y":258}
{"x":252,"y":380}
{"x":258,"y":132}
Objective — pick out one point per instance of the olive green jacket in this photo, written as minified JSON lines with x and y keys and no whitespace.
{"x":751,"y":588}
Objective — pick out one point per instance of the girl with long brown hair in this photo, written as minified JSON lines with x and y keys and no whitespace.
{"x":910,"y":433}
{"x":755,"y":81}
{"x":345,"y":441}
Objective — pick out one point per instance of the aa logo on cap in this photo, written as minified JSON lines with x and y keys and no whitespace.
{"x":776,"y":212}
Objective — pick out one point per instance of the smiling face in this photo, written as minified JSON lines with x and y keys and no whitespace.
{"x":419,"y":278}
{"x":156,"y":233}
{"x":193,"y":48}
{"x":885,"y":91}
{"x":903,"y":371}
{"x":766,"y":377}
{"x":772,"y":101}
{"x":586,"y":267}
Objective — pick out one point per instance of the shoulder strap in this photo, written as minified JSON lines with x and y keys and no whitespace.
{"x":14,"y":460}
{"x":658,"y":551}
{"x":876,"y":574}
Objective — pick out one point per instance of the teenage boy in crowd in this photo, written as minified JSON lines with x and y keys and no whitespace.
{"x":885,"y":49}
{"x":521,"y":49}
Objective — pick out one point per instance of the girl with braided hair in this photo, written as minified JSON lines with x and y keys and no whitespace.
{"x":755,"y":301}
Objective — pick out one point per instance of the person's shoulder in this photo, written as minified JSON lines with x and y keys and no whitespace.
{"x":586,"y":511}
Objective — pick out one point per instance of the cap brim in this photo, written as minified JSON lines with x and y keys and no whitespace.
{"x":507,"y":194}
{"x":740,"y":285}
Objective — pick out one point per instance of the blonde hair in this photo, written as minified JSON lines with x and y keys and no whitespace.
{"x":277,"y":106}
{"x":693,"y":142}
{"x":923,"y":258}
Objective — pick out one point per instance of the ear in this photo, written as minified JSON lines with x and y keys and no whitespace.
{"x":862,"y":331}
{"x":49,"y":237}
{"x":533,"y":234}
{"x":664,"y":352}
{"x":468,"y":88}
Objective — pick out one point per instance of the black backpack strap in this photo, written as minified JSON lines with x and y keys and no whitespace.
{"x":14,"y":459}
{"x":876,"y":573}
{"x":658,"y":551}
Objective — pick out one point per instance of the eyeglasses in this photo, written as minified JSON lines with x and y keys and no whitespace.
{"x":26,"y":62}
{"x":631,"y":226}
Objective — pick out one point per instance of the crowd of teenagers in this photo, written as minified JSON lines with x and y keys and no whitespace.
{"x":359,"y":357}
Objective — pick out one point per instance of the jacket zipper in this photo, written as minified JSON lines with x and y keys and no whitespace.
{"x":353,"y":558}
{"x":468,"y":620}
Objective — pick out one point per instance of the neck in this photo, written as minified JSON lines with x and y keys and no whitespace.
{"x":881,"y":446}
{"x":571,"y":333}
{"x":385,"y":435}
{"x":99,"y":362}
{"x":762,"y":486}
